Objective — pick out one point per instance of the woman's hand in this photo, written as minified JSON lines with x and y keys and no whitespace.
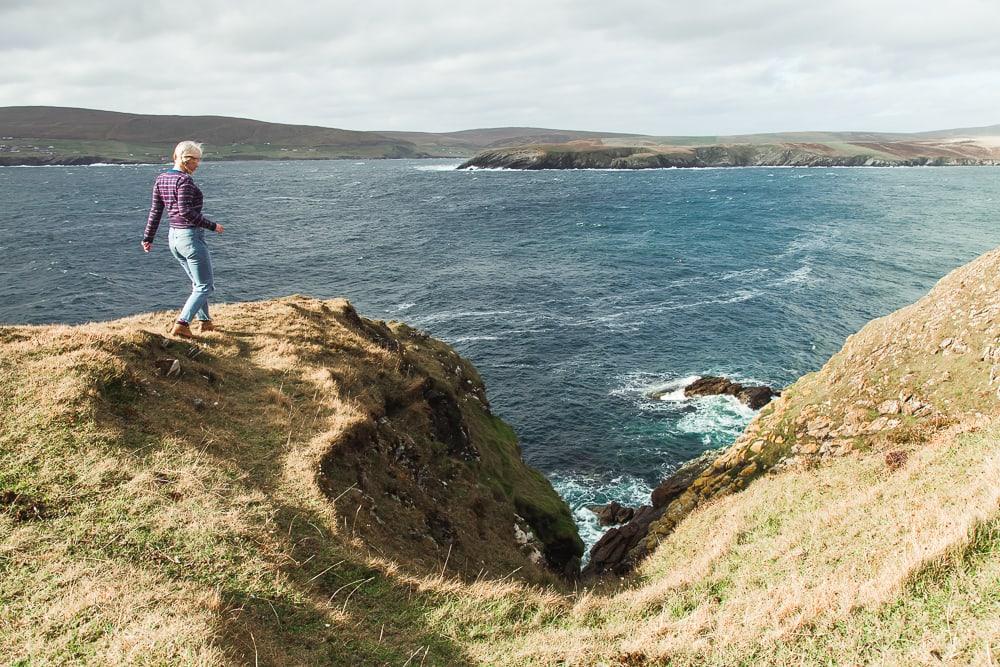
{"x":147,"y":246}
{"x":219,"y":228}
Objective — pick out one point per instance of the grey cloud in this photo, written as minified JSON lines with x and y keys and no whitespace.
{"x":634,"y":65}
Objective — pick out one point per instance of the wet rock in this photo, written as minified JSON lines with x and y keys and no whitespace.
{"x":678,"y":482}
{"x":612,"y":514}
{"x":612,"y":553}
{"x":755,"y":396}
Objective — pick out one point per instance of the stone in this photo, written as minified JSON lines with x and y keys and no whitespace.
{"x":809,"y":447}
{"x":612,"y":514}
{"x":754,"y":396}
{"x":687,"y":475}
{"x":611,"y":553}
{"x":890,"y":407}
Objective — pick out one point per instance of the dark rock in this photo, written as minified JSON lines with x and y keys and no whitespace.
{"x":711,"y":386}
{"x":756,"y":396}
{"x":612,"y":514}
{"x":448,"y":425}
{"x":199,"y":404}
{"x":678,"y":481}
{"x":620,"y":549}
{"x":612,"y":551}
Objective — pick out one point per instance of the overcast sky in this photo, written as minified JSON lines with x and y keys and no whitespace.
{"x":657,"y":67}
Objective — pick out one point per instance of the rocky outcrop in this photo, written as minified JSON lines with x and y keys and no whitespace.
{"x":755,"y":396}
{"x":377,"y":427}
{"x":619,"y":549}
{"x":569,"y":156}
{"x":612,"y":514}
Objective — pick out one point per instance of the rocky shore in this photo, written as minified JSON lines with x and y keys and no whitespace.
{"x":736,"y":155}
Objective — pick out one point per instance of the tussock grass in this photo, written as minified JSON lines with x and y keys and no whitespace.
{"x":242,"y":532}
{"x":848,"y":563}
{"x":184,"y":519}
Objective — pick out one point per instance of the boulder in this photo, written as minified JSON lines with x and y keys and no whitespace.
{"x":612,"y":514}
{"x":755,"y":396}
{"x":612,"y":551}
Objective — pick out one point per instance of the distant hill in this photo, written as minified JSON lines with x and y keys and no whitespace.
{"x":63,"y":135}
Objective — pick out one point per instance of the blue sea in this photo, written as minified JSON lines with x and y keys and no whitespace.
{"x":575,"y":293}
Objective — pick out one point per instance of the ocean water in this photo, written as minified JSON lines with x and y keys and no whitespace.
{"x":575,"y":293}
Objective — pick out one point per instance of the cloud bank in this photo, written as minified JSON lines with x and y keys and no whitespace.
{"x":662,"y":68}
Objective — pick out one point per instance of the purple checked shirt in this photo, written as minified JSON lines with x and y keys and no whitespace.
{"x":176,"y":192}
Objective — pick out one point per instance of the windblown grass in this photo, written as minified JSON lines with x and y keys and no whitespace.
{"x":139,"y":529}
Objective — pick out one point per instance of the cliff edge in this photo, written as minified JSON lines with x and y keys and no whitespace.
{"x":311,"y":487}
{"x":281,"y":486}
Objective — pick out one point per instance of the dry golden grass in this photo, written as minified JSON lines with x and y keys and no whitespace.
{"x":810,"y":567}
{"x":203,"y":534}
{"x":178,"y":535}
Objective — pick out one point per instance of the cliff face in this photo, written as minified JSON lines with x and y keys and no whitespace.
{"x":297,"y":465}
{"x":596,"y":156}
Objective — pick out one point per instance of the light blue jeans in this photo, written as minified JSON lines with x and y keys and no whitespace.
{"x":190,"y":249}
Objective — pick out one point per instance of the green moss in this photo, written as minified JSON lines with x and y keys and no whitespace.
{"x":534,"y":498}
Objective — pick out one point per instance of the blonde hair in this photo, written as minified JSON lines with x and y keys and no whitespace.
{"x":186,"y":148}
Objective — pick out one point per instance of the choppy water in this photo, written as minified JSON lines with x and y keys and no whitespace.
{"x":575,"y":292}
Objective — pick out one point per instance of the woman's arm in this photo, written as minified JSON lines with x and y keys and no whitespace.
{"x":153,"y":221}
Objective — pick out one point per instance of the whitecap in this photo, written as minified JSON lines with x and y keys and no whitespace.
{"x":582,"y":491}
{"x":470,"y":339}
{"x":673,"y":391}
{"x":452,"y":315}
{"x":718,"y":419}
{"x":437,"y":167}
{"x":801,"y":275}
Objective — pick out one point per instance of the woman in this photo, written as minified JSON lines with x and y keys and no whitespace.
{"x":176,"y":192}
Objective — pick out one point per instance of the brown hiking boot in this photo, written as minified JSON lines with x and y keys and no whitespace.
{"x":206,"y":326}
{"x":182,"y":330}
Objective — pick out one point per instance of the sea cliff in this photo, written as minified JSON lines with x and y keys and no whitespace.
{"x":584,"y":155}
{"x":307,"y":486}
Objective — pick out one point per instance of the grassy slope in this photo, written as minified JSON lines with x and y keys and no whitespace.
{"x":139,"y":529}
{"x":210,"y":543}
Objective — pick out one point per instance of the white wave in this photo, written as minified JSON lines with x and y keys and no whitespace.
{"x":453,"y":315}
{"x":673,"y":392}
{"x":737,"y":297}
{"x":403,"y":306}
{"x":581,"y":491}
{"x":437,"y":167}
{"x":744,"y":273}
{"x":718,"y":419}
{"x":801,"y":275}
{"x":469,"y":339}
